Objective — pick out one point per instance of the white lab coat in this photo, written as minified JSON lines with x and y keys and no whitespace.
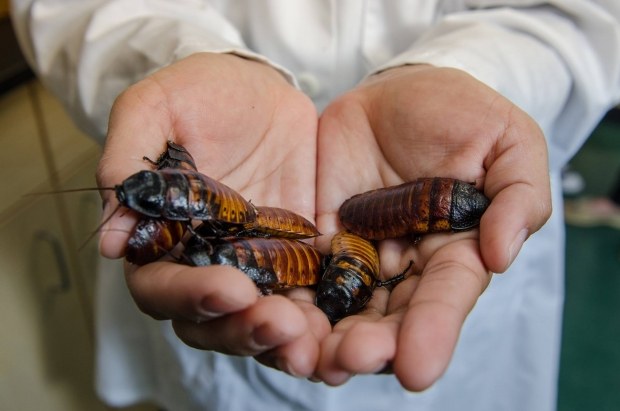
{"x":559,"y":60}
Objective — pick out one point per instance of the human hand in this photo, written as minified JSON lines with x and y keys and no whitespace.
{"x":248,"y":128}
{"x":422,"y":121}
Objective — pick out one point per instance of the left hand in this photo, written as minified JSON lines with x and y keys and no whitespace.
{"x":422,"y":121}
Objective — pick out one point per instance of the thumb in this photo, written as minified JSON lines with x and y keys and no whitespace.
{"x":518,"y":183}
{"x":134,"y":133}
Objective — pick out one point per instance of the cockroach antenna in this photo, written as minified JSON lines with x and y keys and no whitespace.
{"x":99,"y":227}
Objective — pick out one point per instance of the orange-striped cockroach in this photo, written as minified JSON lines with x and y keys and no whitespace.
{"x":426,"y":205}
{"x":183,"y":195}
{"x":269,"y":222}
{"x":350,"y":277}
{"x":272,"y":263}
{"x":280,"y":222}
{"x":166,"y":196}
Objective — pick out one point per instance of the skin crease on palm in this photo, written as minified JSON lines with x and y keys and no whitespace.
{"x":263,"y":138}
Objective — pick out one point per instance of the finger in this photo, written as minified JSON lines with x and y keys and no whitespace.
{"x":360,"y":344}
{"x":299,"y":357}
{"x":117,"y":225}
{"x":515,"y":213}
{"x":195,"y":294}
{"x":270,"y":322}
{"x":138,"y":128}
{"x":368,"y":346}
{"x":450,"y":285}
{"x":328,"y":368}
{"x":518,"y":183}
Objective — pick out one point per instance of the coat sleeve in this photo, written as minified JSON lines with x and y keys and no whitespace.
{"x":558,"y":60}
{"x":88,"y":51}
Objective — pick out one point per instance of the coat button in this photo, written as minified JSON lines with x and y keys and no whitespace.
{"x":309,"y":84}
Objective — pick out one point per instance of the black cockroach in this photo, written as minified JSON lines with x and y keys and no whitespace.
{"x":350,"y":276}
{"x":426,"y":205}
{"x":152,"y":238}
{"x":269,"y":222}
{"x":272,"y":263}
{"x":175,"y":192}
{"x":175,"y":156}
{"x":183,"y":195}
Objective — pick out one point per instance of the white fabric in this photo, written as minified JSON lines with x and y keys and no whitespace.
{"x":558,"y":60}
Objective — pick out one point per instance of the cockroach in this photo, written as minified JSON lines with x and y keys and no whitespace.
{"x":183,"y":195}
{"x":426,"y":205}
{"x":280,"y":222}
{"x":350,"y":277}
{"x":270,"y":222}
{"x":272,"y":263}
{"x":152,"y":238}
{"x":175,"y":156}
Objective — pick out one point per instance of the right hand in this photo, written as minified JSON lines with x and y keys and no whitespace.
{"x":247,"y":127}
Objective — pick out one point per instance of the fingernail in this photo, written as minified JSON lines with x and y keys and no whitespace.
{"x":260,"y":340}
{"x":284,"y":366}
{"x":205,"y":312}
{"x":515,"y":246}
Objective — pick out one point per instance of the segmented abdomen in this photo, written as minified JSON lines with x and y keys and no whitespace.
{"x":351,"y":252}
{"x":426,"y":205}
{"x":183,"y":195}
{"x":350,"y":277}
{"x":272,"y":263}
{"x":279,"y":222}
{"x":152,"y":239}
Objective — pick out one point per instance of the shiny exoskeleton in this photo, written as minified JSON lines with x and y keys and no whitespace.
{"x":426,"y":205}
{"x":350,"y":277}
{"x":272,"y":263}
{"x":183,"y":195}
{"x":152,"y":238}
{"x":269,"y":222}
{"x":280,"y":222}
{"x":165,"y":198}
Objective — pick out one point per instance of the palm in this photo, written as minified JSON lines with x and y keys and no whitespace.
{"x":250,"y":131}
{"x":410,"y":123}
{"x":248,"y":128}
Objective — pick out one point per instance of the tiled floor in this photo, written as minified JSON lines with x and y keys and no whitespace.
{"x":40,"y":303}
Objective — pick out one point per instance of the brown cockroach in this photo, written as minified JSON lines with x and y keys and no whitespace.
{"x":183,"y":195}
{"x":350,"y":276}
{"x":175,"y":156}
{"x":153,"y":238}
{"x":280,"y":222}
{"x":426,"y":205}
{"x":157,"y":233}
{"x":270,"y":222}
{"x":272,"y":263}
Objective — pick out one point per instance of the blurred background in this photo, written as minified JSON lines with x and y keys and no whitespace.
{"x":47,"y":272}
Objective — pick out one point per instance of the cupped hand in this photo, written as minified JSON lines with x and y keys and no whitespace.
{"x":423,"y":121}
{"x":248,"y":128}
